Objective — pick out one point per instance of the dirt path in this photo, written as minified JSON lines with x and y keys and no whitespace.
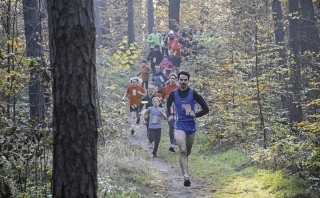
{"x":173,"y":181}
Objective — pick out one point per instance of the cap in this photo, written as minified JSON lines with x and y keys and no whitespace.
{"x":171,"y":32}
{"x":173,"y":74}
{"x":143,"y":61}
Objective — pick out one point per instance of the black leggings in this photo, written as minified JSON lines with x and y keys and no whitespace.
{"x":155,"y":135}
{"x":145,"y":83}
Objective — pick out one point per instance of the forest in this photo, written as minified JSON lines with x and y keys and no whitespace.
{"x":65,"y":64}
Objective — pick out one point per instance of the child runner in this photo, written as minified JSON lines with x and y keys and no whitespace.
{"x":136,"y":93}
{"x":145,"y":70}
{"x":151,"y":93}
{"x":155,"y":113}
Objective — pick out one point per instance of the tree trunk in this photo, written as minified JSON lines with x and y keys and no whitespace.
{"x":150,"y":16}
{"x":75,"y":109}
{"x":308,"y":28}
{"x":105,"y":26}
{"x":279,"y":40}
{"x":174,"y":15}
{"x":295,"y":77}
{"x":97,"y":23}
{"x":130,"y":22}
{"x":33,"y":50}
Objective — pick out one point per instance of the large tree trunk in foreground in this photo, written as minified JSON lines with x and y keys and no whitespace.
{"x":75,"y":113}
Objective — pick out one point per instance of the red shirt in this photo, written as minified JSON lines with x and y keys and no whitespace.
{"x":176,"y":50}
{"x":134,"y":96}
{"x":144,"y":76}
{"x":167,"y":66}
{"x":167,"y":90}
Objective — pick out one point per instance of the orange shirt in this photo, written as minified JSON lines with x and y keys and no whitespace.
{"x":144,"y":76}
{"x":176,"y":50}
{"x":167,"y":90}
{"x":134,"y":96}
{"x":165,"y":94}
{"x":158,"y":95}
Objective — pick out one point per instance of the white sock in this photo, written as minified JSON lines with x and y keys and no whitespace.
{"x":172,"y":145}
{"x":185,"y":175}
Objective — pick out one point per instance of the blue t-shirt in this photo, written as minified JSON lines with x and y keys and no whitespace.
{"x":183,"y":121}
{"x":155,"y":117}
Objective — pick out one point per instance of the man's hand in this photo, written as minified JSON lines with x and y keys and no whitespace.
{"x":192,"y":114}
{"x":170,"y":118}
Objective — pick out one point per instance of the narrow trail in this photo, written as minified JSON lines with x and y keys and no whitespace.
{"x":173,"y":181}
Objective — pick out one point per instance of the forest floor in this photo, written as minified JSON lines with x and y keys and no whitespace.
{"x":172,"y":179}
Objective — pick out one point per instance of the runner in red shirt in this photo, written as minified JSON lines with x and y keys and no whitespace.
{"x":165,"y":93}
{"x":145,"y":70}
{"x":175,"y":51}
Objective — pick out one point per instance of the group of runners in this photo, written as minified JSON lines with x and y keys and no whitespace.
{"x":168,"y":97}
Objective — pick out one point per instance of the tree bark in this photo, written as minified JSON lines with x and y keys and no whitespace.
{"x":308,"y":28}
{"x":75,"y":109}
{"x":131,"y":38}
{"x":150,"y":16}
{"x":33,"y":50}
{"x":295,"y":77}
{"x":174,"y":15}
{"x":279,"y":40}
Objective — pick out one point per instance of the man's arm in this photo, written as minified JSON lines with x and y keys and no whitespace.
{"x":149,"y":39}
{"x":204,"y":107}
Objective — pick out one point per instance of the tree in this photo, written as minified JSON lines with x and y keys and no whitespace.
{"x":33,"y":50}
{"x":308,"y":28}
{"x":75,"y":109}
{"x":130,"y":22}
{"x":174,"y":14}
{"x":150,"y":16}
{"x":295,"y":63}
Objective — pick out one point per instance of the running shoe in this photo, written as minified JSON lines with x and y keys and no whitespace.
{"x":132,"y":131}
{"x":150,"y":145}
{"x":155,"y":155}
{"x":171,"y":149}
{"x":187,"y":182}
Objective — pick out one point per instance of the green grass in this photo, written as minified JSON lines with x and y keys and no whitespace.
{"x":230,"y":173}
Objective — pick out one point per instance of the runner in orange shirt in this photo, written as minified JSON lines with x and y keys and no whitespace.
{"x":135,"y":93}
{"x":165,"y":93}
{"x":145,"y":70}
{"x":175,"y":51}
